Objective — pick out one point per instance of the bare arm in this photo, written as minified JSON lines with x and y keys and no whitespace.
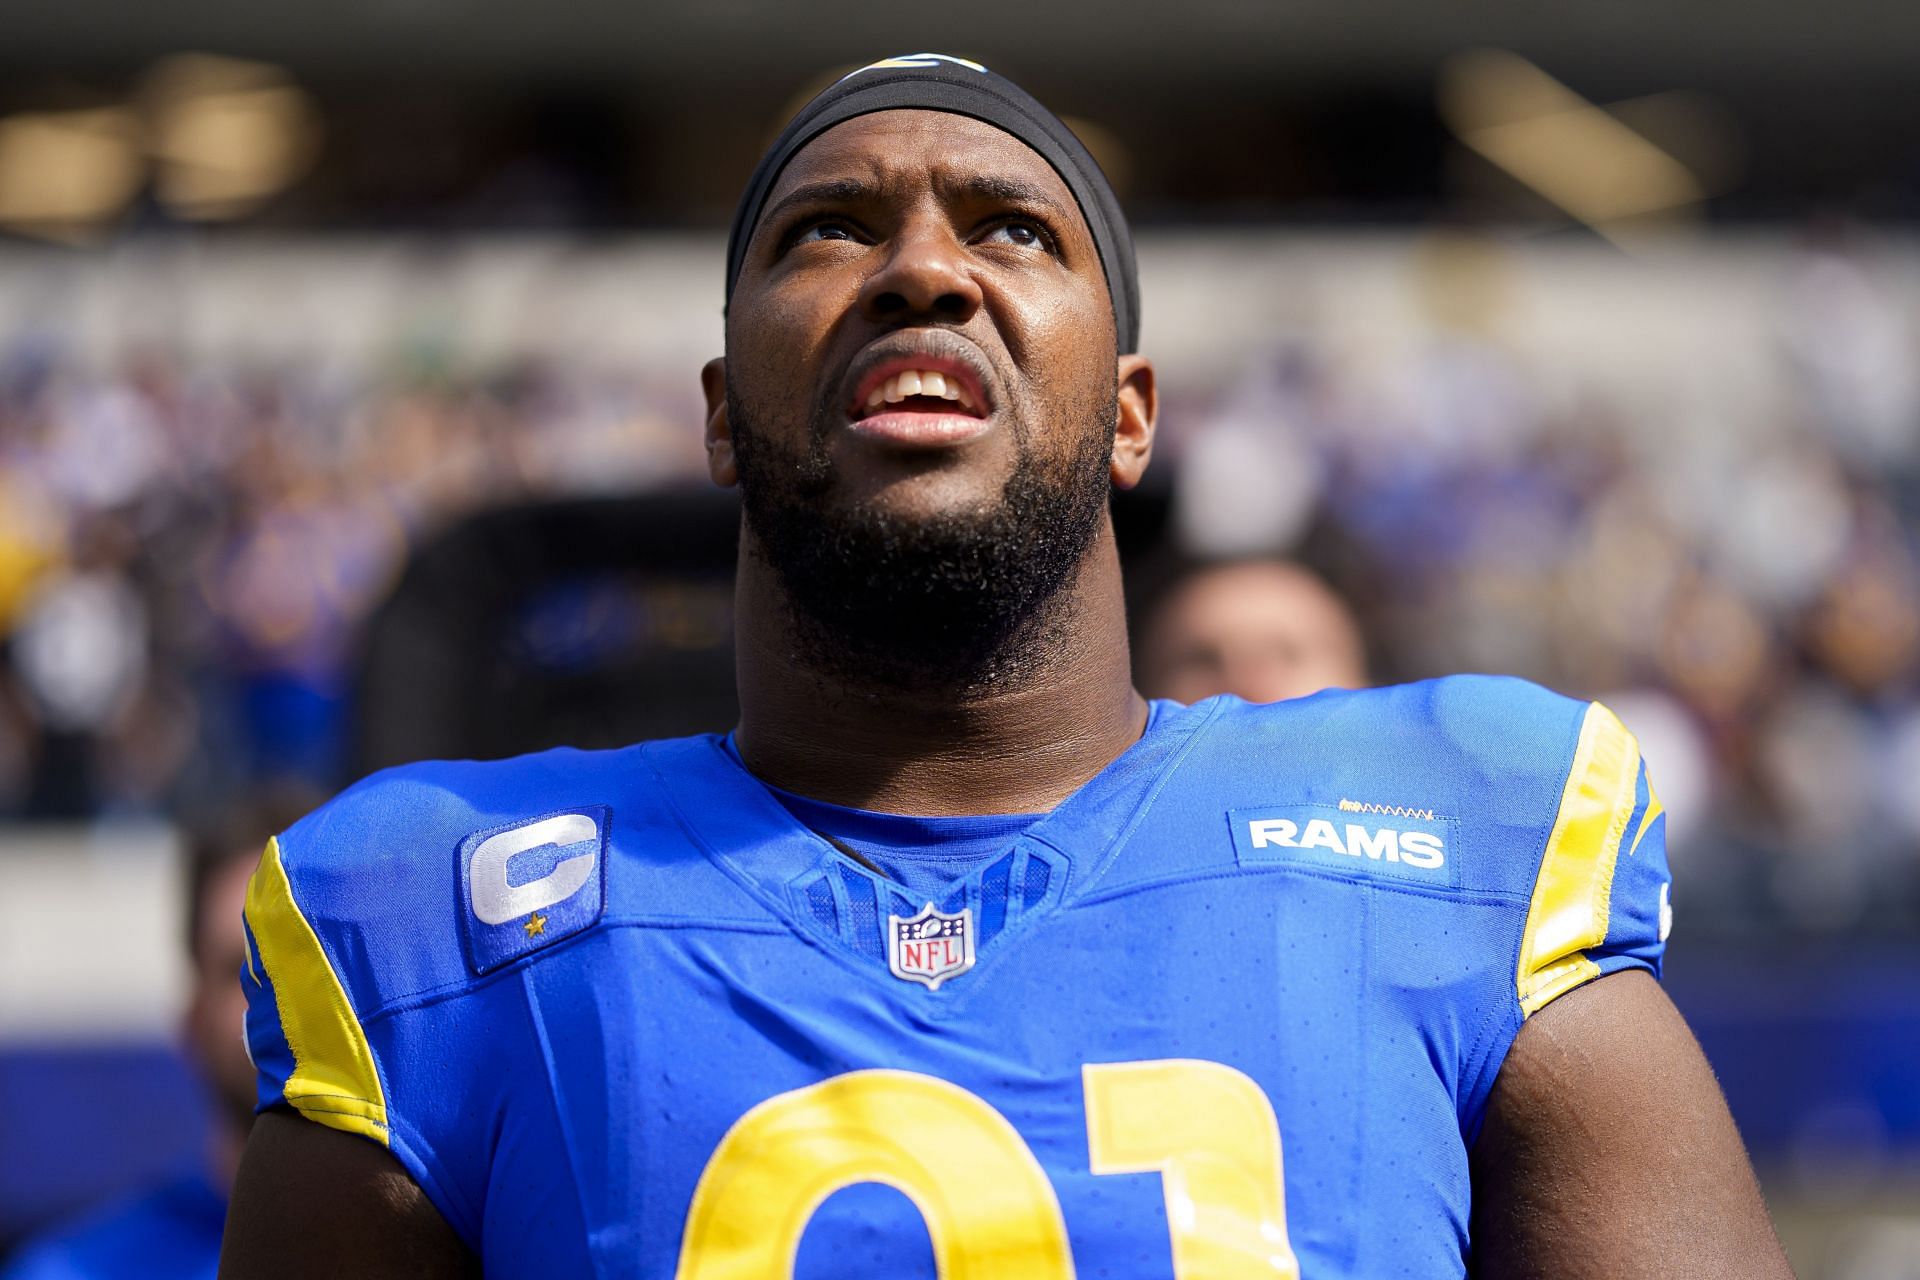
{"x":1608,"y":1151}
{"x":312,"y":1201}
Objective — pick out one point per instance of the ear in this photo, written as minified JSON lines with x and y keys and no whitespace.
{"x":713,"y":381}
{"x":1139,"y":405}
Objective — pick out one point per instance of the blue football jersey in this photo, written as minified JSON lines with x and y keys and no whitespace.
{"x":1233,"y":1008}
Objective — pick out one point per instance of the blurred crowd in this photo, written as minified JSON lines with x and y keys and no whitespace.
{"x":187,"y":554}
{"x":1741,"y":584}
{"x":189,"y":551}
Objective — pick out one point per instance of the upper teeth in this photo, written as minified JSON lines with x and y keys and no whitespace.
{"x":919,"y":382}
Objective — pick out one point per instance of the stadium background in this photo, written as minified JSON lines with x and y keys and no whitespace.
{"x":348,"y":414}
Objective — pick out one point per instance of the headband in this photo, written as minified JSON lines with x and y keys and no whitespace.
{"x":937,"y":82}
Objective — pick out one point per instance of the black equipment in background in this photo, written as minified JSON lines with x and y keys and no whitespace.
{"x":585,"y":622}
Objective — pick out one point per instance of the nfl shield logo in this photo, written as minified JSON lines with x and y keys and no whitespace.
{"x":930,"y":947}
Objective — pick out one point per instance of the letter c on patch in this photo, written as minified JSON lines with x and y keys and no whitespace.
{"x":496,"y":902}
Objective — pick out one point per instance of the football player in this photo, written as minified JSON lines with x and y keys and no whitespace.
{"x":957,"y":956}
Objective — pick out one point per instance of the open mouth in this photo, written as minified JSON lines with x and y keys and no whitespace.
{"x":902,"y":387}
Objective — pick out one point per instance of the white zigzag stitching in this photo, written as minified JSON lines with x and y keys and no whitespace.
{"x":1391,"y":810}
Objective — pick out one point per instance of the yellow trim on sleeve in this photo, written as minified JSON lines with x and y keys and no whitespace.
{"x":334,"y":1081}
{"x":1654,"y":810}
{"x":1573,"y":894}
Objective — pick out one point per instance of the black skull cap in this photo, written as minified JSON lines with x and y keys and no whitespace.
{"x":941,"y":82}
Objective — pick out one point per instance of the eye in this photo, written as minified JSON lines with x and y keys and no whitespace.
{"x":1022,"y":232}
{"x":822,"y":230}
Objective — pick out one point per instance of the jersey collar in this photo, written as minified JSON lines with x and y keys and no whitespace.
{"x":732,"y":816}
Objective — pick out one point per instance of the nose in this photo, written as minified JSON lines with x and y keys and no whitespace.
{"x":925,"y":277}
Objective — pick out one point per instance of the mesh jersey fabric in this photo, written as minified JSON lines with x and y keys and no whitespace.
{"x":1323,"y":919}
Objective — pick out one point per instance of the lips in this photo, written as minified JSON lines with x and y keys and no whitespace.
{"x":929,"y":374}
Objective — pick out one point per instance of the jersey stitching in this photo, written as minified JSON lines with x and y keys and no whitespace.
{"x":307,"y":1098}
{"x":562,"y":1121}
{"x":1388,"y":810}
{"x":1602,"y":905}
{"x":1483,"y":897}
{"x":428,"y":1160}
{"x":1571,"y":748}
{"x":1139,"y":815}
{"x":785,"y":920}
{"x":276,"y":856}
{"x":697,"y":838}
{"x":1502,"y":1014}
{"x":428,"y":996}
{"x":1362,"y":1027}
{"x":1475,"y":1066}
{"x":853,"y":962}
{"x":1017,"y":926}
{"x":1599,"y":894}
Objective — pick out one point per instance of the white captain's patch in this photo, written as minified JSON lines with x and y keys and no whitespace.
{"x":532,"y":884}
{"x":1403,"y":843}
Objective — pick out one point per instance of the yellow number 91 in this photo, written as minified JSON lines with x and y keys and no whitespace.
{"x":990,"y":1211}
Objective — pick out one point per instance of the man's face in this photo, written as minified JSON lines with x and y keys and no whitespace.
{"x":908,"y":239}
{"x":1262,"y":631}
{"x":893,"y":247}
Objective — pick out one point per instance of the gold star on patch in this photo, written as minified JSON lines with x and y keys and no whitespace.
{"x":536,"y":925}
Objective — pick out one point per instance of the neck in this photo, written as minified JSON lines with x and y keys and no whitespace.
{"x":1018,"y":748}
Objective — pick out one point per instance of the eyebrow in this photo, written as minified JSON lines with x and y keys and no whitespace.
{"x":991,"y":188}
{"x":981,"y":187}
{"x":826,"y":191}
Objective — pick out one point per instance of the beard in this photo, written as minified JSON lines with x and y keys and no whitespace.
{"x":963,"y":600}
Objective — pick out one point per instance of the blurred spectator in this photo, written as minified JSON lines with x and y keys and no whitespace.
{"x":189,"y":553}
{"x":1263,"y":629}
{"x":172,"y":1231}
{"x":80,"y":655}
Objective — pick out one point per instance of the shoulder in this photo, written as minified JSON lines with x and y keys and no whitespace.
{"x":382,"y":821}
{"x":393,"y":858}
{"x":1489,"y":765}
{"x":1455,"y":733}
{"x":1473,"y":712}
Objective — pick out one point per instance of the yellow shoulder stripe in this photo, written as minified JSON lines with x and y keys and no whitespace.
{"x":1573,"y":895}
{"x":334,"y":1081}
